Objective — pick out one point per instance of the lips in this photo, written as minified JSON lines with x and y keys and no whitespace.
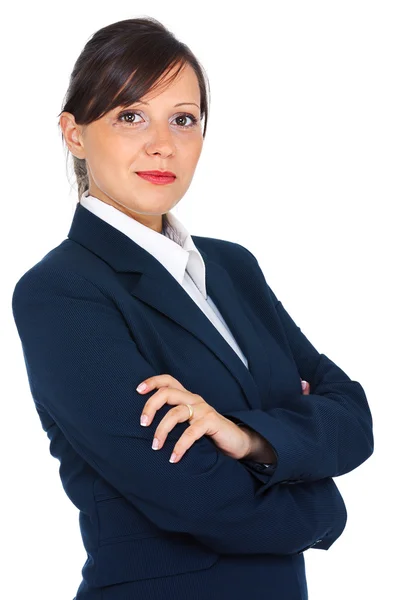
{"x":157,"y":178}
{"x":157,"y":173}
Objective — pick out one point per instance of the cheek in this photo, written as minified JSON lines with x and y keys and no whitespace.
{"x":192,"y":152}
{"x":113,"y":153}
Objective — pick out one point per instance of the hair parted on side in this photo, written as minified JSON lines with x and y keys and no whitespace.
{"x":119,"y":65}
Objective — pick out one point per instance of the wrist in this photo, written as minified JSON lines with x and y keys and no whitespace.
{"x":257,"y":448}
{"x":248,"y":437}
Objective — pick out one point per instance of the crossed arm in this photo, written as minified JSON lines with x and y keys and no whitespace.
{"x":83,"y":368}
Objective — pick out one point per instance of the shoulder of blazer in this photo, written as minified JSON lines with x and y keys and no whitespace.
{"x":222,"y":251}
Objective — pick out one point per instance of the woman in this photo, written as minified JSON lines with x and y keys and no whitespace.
{"x":241,"y":483}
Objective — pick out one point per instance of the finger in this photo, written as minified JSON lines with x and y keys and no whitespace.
{"x":187,"y":439}
{"x":158,"y":381}
{"x":164,"y":396}
{"x":178,"y":414}
{"x":305,"y":387}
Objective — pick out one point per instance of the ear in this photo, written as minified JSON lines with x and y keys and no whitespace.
{"x":72,"y":134}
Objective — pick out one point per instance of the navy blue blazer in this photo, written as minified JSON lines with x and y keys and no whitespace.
{"x":96,"y":316}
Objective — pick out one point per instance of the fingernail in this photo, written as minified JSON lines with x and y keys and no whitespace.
{"x":144,"y":419}
{"x":141,"y":387}
{"x":172,"y":458}
{"x":303,"y":384}
{"x":155,"y":444}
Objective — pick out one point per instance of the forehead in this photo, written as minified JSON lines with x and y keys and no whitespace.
{"x":172,"y":88}
{"x":184,"y":87}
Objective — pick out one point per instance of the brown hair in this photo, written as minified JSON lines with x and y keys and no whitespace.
{"x":118,"y":66}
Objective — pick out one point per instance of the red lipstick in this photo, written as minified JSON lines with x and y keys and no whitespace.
{"x":157,"y":177}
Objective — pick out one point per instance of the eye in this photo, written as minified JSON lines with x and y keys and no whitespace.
{"x":126,"y":118}
{"x":127,"y":114}
{"x":188,"y":116}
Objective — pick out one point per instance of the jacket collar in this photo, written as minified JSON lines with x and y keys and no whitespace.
{"x":152,"y":283}
{"x":174,"y":248}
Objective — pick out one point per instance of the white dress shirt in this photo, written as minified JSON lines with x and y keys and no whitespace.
{"x":175,"y":249}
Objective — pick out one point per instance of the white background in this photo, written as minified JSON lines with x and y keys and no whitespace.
{"x":300,"y":164}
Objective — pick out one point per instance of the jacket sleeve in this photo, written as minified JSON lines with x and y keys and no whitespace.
{"x":326,"y":433}
{"x":83,"y":367}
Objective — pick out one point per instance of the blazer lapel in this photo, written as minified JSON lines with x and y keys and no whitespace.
{"x":155,"y":286}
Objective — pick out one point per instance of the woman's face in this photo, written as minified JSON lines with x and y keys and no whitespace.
{"x":155,"y":136}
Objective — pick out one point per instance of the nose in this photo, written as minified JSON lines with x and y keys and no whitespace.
{"x":160,"y":141}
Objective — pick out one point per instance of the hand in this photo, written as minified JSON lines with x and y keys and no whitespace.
{"x":227,"y":436}
{"x":234,"y":441}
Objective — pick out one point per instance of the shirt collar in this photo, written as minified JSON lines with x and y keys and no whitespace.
{"x":173,"y":248}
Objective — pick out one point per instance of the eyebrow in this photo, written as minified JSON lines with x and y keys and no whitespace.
{"x":179,"y":104}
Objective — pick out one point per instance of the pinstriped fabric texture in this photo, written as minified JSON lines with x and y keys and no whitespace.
{"x":96,"y":316}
